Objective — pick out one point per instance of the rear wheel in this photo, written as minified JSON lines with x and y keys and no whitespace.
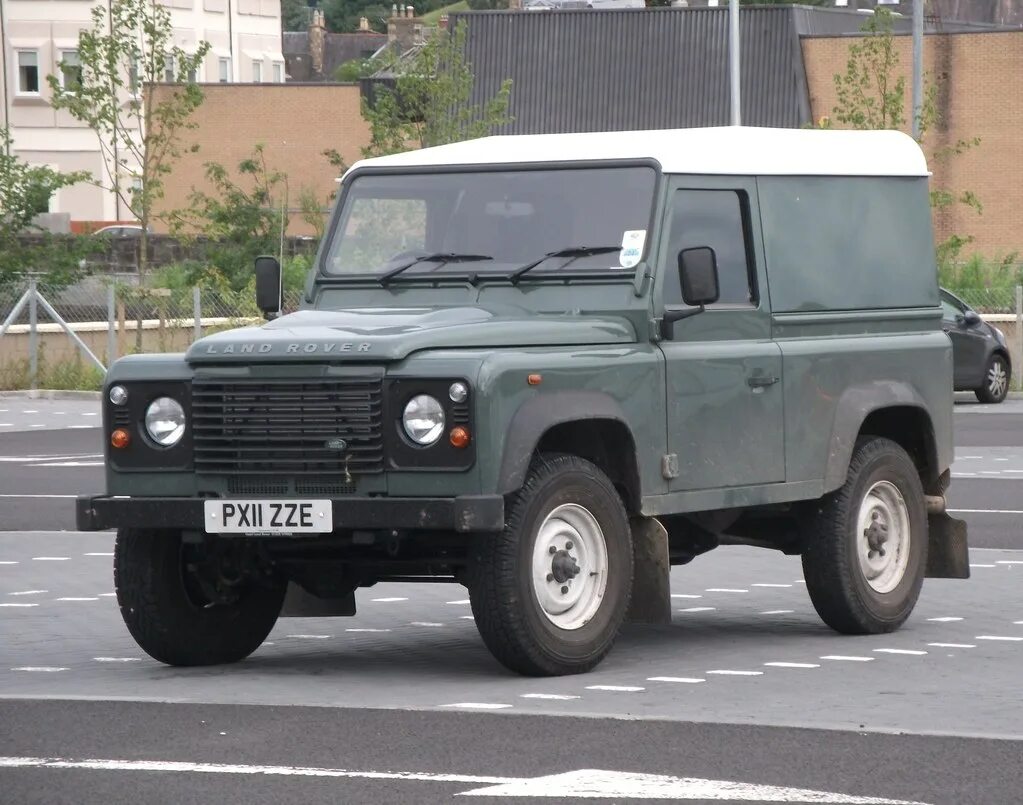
{"x":996,"y":381}
{"x":549,"y":594}
{"x":866,"y":544}
{"x":193,"y":604}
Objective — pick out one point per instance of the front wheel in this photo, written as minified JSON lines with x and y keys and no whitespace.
{"x":865,"y":545}
{"x":550,"y":592}
{"x":193,"y":604}
{"x":996,"y":381}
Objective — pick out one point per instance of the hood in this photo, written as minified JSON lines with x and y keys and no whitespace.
{"x":389,"y":334}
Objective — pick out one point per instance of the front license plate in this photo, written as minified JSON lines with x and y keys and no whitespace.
{"x":268,"y":517}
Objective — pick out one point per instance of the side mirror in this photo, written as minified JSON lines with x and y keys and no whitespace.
{"x":698,"y":278}
{"x":971,"y":318}
{"x":268,"y":286}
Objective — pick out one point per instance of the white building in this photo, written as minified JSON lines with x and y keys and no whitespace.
{"x":37,"y":35}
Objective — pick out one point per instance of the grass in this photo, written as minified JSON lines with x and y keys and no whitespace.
{"x":433,"y":17}
{"x":69,"y":375}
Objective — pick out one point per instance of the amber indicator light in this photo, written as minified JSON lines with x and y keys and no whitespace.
{"x":459,"y":437}
{"x":534,"y":380}
{"x":120,"y":438}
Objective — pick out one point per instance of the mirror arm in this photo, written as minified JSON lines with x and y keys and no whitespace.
{"x":672,"y":316}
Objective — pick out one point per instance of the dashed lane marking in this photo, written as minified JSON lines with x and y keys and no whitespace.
{"x":685,"y":595}
{"x":29,"y":592}
{"x":952,"y":645}
{"x":119,"y":659}
{"x":616,"y":688}
{"x":911,"y":651}
{"x":8,"y":563}
{"x":553,"y":696}
{"x":1008,"y":562}
{"x":847,"y":658}
{"x":367,"y":630}
{"x":944,"y":620}
{"x":98,"y":553}
{"x":22,"y":606}
{"x":45,"y":669}
{"x":725,"y":590}
{"x":777,"y":612}
{"x":771,"y":585}
{"x":726,"y":672}
{"x":985,"y":511}
{"x":686,"y":680}
{"x":698,"y":609}
{"x":1004,"y":638}
{"x":54,"y":497}
{"x":49,"y":558}
{"x":308,"y":636}
{"x":387,"y":600}
{"x":70,"y":598}
{"x":462,"y":601}
{"x":983,"y":565}
{"x":792,"y":664}
{"x":478,"y":705}
{"x":424,"y":623}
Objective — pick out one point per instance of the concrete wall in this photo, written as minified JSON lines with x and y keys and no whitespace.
{"x":980,"y":95}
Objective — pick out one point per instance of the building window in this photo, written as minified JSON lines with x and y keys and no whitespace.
{"x":225,"y":71}
{"x":133,"y":77}
{"x":70,"y":70}
{"x":257,"y":71}
{"x":193,"y":75}
{"x":28,"y":72}
{"x":168,"y":70}
{"x":278,"y":73}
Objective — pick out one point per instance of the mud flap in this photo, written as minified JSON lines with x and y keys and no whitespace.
{"x":298,"y":603}
{"x":651,"y":586}
{"x":947,"y":551}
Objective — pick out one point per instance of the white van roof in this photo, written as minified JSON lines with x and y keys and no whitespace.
{"x":735,"y":150}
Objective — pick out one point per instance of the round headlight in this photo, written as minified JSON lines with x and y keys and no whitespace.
{"x":118,"y":395}
{"x":458,"y":392}
{"x":423,"y":419}
{"x":165,"y":421}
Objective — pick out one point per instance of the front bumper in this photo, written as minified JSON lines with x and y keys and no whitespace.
{"x":464,"y":514}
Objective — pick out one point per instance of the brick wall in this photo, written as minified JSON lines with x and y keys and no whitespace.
{"x":295,"y":123}
{"x":982,"y":96}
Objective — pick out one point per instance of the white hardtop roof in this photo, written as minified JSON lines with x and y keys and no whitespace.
{"x":734,"y":150}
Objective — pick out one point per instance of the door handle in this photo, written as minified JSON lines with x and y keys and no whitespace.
{"x":761,"y":381}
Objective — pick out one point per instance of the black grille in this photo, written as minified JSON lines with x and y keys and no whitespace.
{"x":282,"y":427}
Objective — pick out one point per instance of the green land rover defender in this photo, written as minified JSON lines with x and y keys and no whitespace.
{"x":548,"y":368}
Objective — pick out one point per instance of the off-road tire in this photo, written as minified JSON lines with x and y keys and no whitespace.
{"x":984,"y":393}
{"x":509,"y":618}
{"x":837,"y":585}
{"x":164,"y":620}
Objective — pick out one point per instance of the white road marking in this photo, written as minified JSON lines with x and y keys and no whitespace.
{"x":792,"y":664}
{"x":30,"y":411}
{"x":772,"y":585}
{"x":1008,"y":562}
{"x":687,"y":680}
{"x":616,"y":688}
{"x":944,"y":620}
{"x":56,"y":497}
{"x":972,"y":565}
{"x":98,"y":553}
{"x":698,"y":609}
{"x":957,"y":458}
{"x":79,"y":427}
{"x":8,"y":563}
{"x":77,"y":599}
{"x":424,"y":623}
{"x":914,"y":652}
{"x":467,"y":617}
{"x":309,"y":636}
{"x":367,"y":630}
{"x":387,"y":600}
{"x":985,"y":511}
{"x":19,"y":605}
{"x":587,"y":783}
{"x":117,"y":659}
{"x":478,"y":705}
{"x":777,"y":612}
{"x":952,"y":645}
{"x":49,"y":558}
{"x":736,"y":673}
{"x":685,"y":595}
{"x":463,"y":601}
{"x":1001,"y":459}
{"x":6,"y":424}
{"x":46,"y":669}
{"x":554,"y":696}
{"x":999,"y":637}
{"x":93,"y":413}
{"x":1018,"y":623}
{"x":38,"y":426}
{"x":799,"y":581}
{"x":107,"y":595}
{"x":29,"y":592}
{"x":70,"y":464}
{"x":846,"y":658}
{"x":724,"y":590}
{"x":964,"y":475}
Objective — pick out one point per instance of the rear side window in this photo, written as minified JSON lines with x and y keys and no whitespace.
{"x":714,"y":218}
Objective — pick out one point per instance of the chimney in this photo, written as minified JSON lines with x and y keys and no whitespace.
{"x":404,"y":28}
{"x":317,"y":39}
{"x":363,"y":25}
{"x":442,"y":23}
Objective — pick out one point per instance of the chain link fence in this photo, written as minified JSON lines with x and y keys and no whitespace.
{"x":65,"y":337}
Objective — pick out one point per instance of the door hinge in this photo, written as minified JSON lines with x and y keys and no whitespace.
{"x":669,"y":466}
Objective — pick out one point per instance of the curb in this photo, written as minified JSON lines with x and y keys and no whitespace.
{"x":50,"y":394}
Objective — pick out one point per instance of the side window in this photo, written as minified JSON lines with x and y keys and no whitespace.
{"x":949,"y":311}
{"x":715,"y":218}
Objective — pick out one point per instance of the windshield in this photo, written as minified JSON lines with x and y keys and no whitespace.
{"x":493,"y":222}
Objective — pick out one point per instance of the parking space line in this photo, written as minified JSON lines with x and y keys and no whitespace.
{"x":553,"y":696}
{"x":686,"y":680}
{"x":952,"y":645}
{"x":847,"y":658}
{"x":725,"y":672}
{"x":909,"y":651}
{"x":478,"y":705}
{"x":792,"y":664}
{"x":1004,"y":638}
{"x":616,"y":688}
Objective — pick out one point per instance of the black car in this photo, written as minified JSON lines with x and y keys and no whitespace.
{"x":980,"y":353}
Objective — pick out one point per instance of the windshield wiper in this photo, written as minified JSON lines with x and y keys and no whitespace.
{"x":573,"y":252}
{"x":439,"y":257}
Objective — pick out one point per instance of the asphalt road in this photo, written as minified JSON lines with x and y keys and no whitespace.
{"x":743,"y":697}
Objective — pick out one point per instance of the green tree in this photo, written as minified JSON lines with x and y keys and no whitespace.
{"x":871,"y":94}
{"x":25,"y":191}
{"x":129,"y":49}
{"x":429,"y":104}
{"x":245,"y":215}
{"x":295,"y":14}
{"x":351,"y":71}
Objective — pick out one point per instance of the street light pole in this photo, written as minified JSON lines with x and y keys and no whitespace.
{"x":918,"y":69}
{"x":733,"y":62}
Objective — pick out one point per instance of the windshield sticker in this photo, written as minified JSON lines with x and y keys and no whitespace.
{"x":632,"y":247}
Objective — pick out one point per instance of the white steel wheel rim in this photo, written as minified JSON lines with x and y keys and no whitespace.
{"x":996,"y":379}
{"x":884,"y":536}
{"x":569,"y":566}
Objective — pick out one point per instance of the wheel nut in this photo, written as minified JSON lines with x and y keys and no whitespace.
{"x":550,"y":577}
{"x":564,"y":589}
{"x":568,"y":545}
{"x":552,"y":550}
